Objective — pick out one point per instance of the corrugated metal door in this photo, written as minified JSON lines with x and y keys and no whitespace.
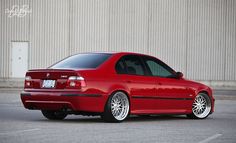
{"x":19,"y":59}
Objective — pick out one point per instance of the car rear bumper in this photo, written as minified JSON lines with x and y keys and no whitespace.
{"x":63,"y":100}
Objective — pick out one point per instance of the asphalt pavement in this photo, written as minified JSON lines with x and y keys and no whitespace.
{"x":22,"y":126}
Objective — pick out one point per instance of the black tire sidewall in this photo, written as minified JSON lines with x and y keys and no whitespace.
{"x":53,"y":115}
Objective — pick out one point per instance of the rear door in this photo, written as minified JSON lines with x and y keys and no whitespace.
{"x":131,"y":70}
{"x":172,"y":93}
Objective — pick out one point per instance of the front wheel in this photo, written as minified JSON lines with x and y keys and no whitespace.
{"x":117,"y":108}
{"x":54,"y":115}
{"x":201,"y":107}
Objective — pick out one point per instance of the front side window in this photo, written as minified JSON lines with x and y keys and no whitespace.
{"x":158,"y":68}
{"x":130,"y":64}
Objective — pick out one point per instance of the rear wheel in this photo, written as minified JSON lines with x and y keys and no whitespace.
{"x":201,"y":107}
{"x":117,"y":108}
{"x":54,"y":115}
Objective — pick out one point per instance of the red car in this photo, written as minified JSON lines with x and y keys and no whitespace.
{"x":114,"y":85}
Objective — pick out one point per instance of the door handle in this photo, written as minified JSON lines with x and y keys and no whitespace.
{"x":128,"y":81}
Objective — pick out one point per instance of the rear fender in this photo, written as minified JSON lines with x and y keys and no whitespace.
{"x":118,"y":87}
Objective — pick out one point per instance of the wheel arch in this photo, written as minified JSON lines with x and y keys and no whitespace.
{"x":206,"y":90}
{"x":116,"y":88}
{"x":203,"y":91}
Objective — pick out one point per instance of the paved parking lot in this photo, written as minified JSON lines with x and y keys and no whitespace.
{"x":20,"y":125}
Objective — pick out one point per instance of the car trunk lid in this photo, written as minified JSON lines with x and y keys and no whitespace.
{"x":48,"y":78}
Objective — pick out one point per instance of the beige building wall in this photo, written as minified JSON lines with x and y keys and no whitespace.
{"x":197,"y":37}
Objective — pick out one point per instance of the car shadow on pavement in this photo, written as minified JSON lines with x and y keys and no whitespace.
{"x":97,"y":119}
{"x":143,"y":118}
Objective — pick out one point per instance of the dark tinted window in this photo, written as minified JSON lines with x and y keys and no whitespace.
{"x":92,"y":60}
{"x":130,"y":65}
{"x":158,"y":68}
{"x":120,"y":67}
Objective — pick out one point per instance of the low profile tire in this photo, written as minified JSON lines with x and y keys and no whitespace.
{"x":201,"y":107}
{"x":54,"y":115}
{"x":117,"y":108}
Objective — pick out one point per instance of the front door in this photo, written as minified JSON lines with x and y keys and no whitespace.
{"x":172,"y":93}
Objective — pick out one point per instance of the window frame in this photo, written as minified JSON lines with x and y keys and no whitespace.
{"x":122,"y":59}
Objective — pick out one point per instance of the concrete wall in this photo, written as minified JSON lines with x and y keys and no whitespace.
{"x":197,"y":37}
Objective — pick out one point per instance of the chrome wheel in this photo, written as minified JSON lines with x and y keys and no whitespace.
{"x":201,"y":107}
{"x":119,"y":106}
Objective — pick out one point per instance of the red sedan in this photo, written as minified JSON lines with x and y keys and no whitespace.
{"x":114,"y":85}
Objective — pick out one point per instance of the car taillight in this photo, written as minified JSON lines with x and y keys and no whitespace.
{"x":28,"y":82}
{"x":75,"y":82}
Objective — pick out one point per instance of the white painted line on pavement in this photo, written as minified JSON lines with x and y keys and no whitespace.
{"x":207,"y":140}
{"x":20,"y":131}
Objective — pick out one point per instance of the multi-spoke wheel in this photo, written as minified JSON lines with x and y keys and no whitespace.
{"x":54,"y":115}
{"x":117,"y":108}
{"x":201,"y":107}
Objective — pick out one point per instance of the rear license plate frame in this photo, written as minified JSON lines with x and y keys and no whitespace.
{"x":49,"y":83}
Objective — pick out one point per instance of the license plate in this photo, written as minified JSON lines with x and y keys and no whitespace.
{"x":48,"y":83}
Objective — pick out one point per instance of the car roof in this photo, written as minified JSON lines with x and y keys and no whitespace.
{"x":115,"y":52}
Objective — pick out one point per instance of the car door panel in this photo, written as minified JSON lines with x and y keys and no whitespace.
{"x":172,"y":93}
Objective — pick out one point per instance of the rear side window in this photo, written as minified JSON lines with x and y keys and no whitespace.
{"x":120,"y":67}
{"x":92,"y":60}
{"x":130,"y":65}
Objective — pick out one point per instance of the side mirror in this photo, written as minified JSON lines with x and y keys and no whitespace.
{"x":179,"y":75}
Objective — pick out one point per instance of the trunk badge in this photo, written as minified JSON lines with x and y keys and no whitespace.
{"x":47,"y":75}
{"x":64,"y":76}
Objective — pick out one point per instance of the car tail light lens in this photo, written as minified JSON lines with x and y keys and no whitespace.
{"x":28,"y":82}
{"x":75,"y":82}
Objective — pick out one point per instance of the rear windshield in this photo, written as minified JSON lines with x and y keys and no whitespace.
{"x":91,"y":60}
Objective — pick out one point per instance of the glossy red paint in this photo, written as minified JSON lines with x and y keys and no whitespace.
{"x":147,"y":94}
